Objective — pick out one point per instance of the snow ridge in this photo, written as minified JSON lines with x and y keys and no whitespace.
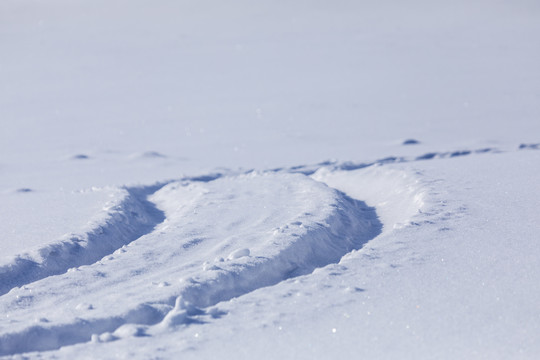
{"x":351,"y":165}
{"x":313,"y":226}
{"x":125,"y":218}
{"x":350,"y":225}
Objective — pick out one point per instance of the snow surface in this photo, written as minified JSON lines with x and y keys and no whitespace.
{"x":204,"y":179}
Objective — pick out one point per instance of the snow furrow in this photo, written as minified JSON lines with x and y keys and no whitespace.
{"x":218,"y":240}
{"x":125,"y":218}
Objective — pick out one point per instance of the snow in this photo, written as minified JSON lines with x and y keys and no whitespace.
{"x":261,"y":180}
{"x":319,"y":226}
{"x":123,"y":218}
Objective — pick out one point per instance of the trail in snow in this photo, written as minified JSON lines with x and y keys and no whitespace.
{"x":125,"y":218}
{"x":129,"y":215}
{"x":219,"y":240}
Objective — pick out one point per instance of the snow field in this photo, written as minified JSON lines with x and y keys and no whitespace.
{"x":421,"y":118}
{"x":224,"y":252}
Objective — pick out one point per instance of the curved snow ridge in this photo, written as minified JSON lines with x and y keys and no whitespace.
{"x":316,"y":228}
{"x":399,"y":195}
{"x":219,"y":240}
{"x":126,"y":217}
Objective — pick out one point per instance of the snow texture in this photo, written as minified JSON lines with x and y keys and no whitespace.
{"x":254,"y":180}
{"x":319,"y":226}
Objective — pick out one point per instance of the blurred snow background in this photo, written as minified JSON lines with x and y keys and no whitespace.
{"x":264,"y":84}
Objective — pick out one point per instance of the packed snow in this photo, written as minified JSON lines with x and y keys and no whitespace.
{"x":307,"y":180}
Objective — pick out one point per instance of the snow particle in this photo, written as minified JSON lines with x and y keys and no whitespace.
{"x":216,"y":313}
{"x":238,"y":254}
{"x":106,"y":337}
{"x":129,"y":330}
{"x":207,"y":266}
{"x":84,"y":306}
